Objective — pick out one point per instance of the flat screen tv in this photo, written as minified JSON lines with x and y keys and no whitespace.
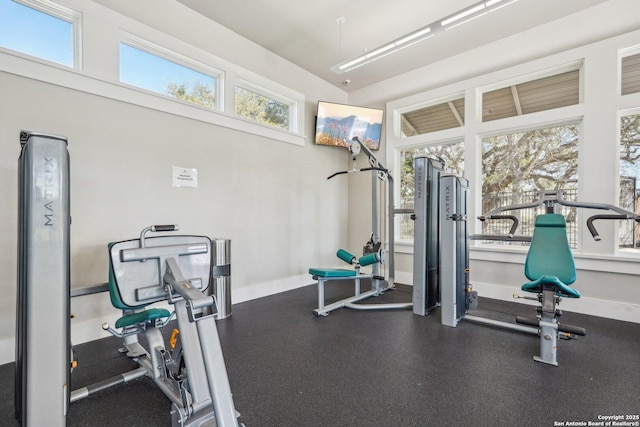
{"x":337,"y":124}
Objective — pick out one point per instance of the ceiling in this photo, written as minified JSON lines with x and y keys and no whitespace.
{"x":307,"y":34}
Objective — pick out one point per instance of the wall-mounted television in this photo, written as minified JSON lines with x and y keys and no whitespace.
{"x":337,"y":124}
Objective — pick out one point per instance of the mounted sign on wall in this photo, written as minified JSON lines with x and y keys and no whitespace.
{"x":185,"y":177}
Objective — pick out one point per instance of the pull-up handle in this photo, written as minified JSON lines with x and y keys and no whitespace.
{"x":168,"y":227}
{"x":156,"y":229}
{"x":372,"y":168}
{"x":592,"y":228}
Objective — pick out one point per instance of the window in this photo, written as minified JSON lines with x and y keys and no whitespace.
{"x":629,"y":232}
{"x":533,"y":96}
{"x":445,"y":115}
{"x":262,"y":108}
{"x":516,"y":166}
{"x":630,"y":74}
{"x":452,"y":156}
{"x":40,"y":29}
{"x":151,"y":72}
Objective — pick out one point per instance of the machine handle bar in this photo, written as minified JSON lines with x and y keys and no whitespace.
{"x":513,"y":218}
{"x":372,"y":168}
{"x":156,"y":229}
{"x":592,"y":228}
{"x":552,"y":197}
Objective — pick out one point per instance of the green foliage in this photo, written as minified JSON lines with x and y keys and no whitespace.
{"x":261,"y":109}
{"x":629,"y":144}
{"x":451,"y":154}
{"x":541,"y":159}
{"x":198,"y":94}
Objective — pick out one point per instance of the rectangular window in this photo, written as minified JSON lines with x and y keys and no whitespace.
{"x":452,"y":155}
{"x":543,"y":94}
{"x":629,"y":232}
{"x":46,"y":35}
{"x":262,"y":108}
{"x":630,"y":74}
{"x":151,"y":72}
{"x":516,"y":166}
{"x":445,"y":115}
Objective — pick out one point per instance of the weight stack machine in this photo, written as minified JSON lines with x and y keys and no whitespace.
{"x":42,"y":310}
{"x":426,"y":257}
{"x":455,"y":298}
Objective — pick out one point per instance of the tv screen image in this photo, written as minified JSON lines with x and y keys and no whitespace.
{"x":337,"y":124}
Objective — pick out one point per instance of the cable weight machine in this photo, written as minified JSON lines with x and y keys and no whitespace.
{"x":441,"y":255}
{"x":374,"y":253}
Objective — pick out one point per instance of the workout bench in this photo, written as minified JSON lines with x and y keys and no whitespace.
{"x":322,"y":275}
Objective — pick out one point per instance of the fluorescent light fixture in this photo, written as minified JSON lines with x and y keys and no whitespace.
{"x":462,"y":16}
{"x":458,"y":16}
{"x":413,"y":36}
{"x":380,"y":50}
{"x":352,"y":62}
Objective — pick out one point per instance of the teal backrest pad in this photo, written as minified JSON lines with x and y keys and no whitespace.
{"x":114,"y":293}
{"x":550,"y":253}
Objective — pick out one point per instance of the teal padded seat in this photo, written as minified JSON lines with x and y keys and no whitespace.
{"x":549,"y":261}
{"x":332,"y":272}
{"x":144,"y":316}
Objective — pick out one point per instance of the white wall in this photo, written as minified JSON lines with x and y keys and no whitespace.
{"x":271,"y":198}
{"x":609,"y":286}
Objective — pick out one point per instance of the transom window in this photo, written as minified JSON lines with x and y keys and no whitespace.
{"x":151,"y":72}
{"x":445,"y":115}
{"x":38,"y":29}
{"x":630,"y":74}
{"x":262,"y":108}
{"x":542,"y":94}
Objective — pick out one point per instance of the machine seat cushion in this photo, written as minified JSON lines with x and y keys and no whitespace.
{"x":549,"y":260}
{"x":331,"y":272}
{"x":142,"y":317}
{"x":560,"y":288}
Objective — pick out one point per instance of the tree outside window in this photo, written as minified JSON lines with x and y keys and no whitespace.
{"x":517,"y":166}
{"x":262,"y":109}
{"x":629,"y":233}
{"x":452,"y":155}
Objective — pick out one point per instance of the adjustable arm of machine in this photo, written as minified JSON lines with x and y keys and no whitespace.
{"x":176,"y":280}
{"x":592,"y":218}
{"x":552,"y":197}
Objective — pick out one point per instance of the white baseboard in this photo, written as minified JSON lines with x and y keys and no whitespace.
{"x":91,"y":329}
{"x":264,"y":289}
{"x":616,"y":310}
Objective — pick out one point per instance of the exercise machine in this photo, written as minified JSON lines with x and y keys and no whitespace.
{"x":43,"y":347}
{"x":373,"y":252}
{"x":190,"y":370}
{"x":426,"y":253}
{"x":549,"y":264}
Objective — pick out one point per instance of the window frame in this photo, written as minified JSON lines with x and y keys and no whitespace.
{"x":161,"y":52}
{"x":63,"y":13}
{"x":475,"y":130}
{"x":271,"y":95}
{"x":100,"y":29}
